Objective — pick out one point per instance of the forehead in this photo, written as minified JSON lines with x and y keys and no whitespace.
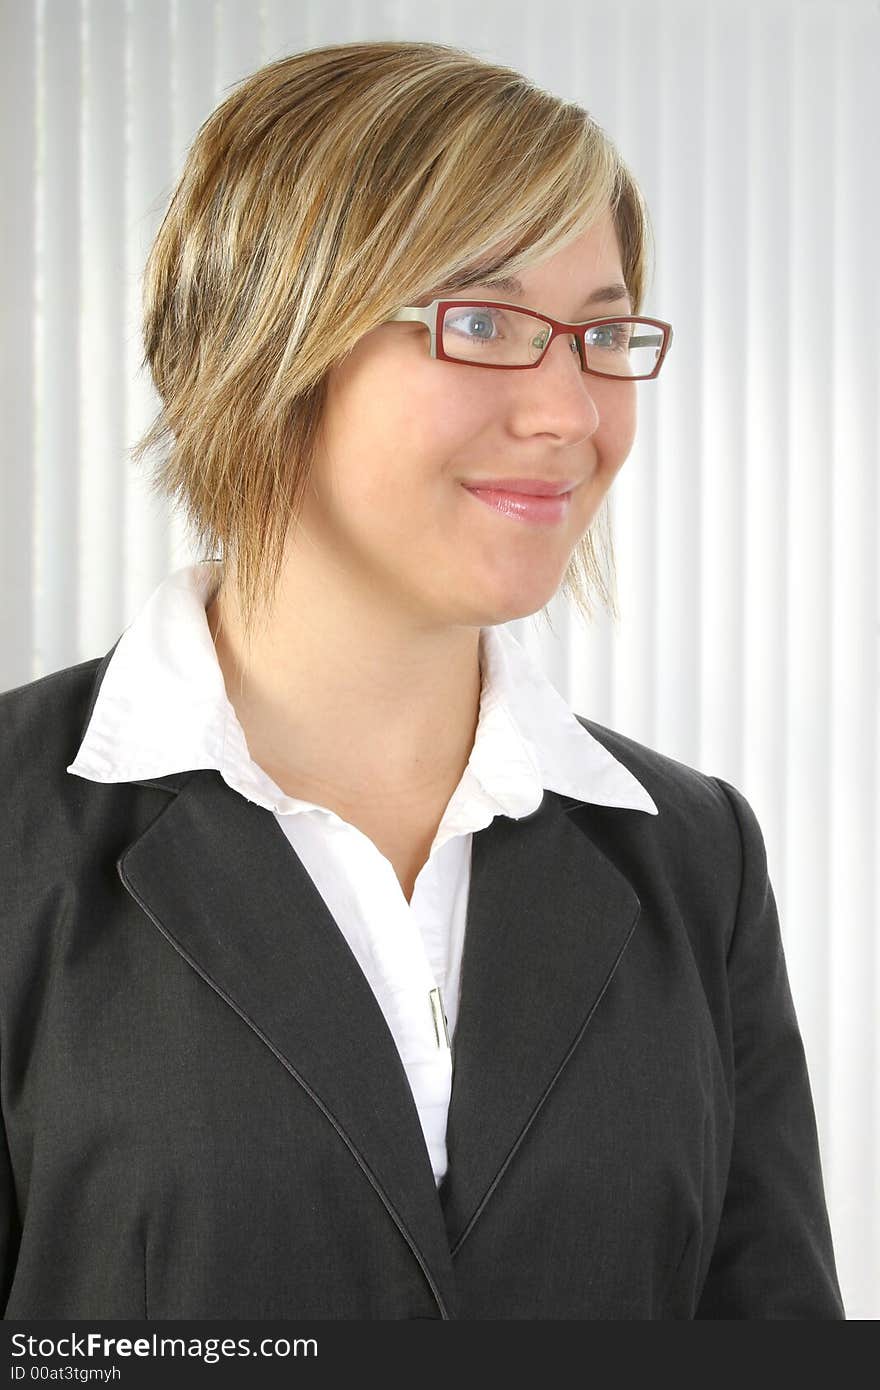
{"x":589,"y":263}
{"x":588,"y":270}
{"x":591,"y":256}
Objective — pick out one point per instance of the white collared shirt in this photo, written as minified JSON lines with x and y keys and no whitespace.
{"x":162,"y":707}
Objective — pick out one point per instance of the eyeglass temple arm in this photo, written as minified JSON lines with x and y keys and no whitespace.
{"x":416,"y":315}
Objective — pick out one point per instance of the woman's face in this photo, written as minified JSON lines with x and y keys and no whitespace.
{"x":403,"y":432}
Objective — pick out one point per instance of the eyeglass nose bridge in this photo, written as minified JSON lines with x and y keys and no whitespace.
{"x":566,"y":333}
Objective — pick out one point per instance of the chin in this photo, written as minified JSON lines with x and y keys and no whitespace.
{"x":510,"y":608}
{"x":523,"y":599}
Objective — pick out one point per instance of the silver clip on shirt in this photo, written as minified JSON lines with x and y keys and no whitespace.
{"x":439,"y":1019}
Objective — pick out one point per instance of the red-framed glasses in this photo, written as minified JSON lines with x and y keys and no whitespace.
{"x":503,"y":336}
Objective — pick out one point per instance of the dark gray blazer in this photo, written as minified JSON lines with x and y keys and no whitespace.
{"x":206,"y":1116}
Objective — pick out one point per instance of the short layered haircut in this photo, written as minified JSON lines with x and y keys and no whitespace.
{"x":328,"y":190}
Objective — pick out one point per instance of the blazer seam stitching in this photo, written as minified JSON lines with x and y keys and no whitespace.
{"x":742,"y":876}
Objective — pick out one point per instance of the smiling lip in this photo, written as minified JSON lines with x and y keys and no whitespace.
{"x":524,"y":487}
{"x":525,"y":506}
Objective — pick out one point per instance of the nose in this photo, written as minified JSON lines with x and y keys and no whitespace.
{"x":562,"y":384}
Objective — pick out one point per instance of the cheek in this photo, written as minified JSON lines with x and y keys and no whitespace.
{"x":618,"y":431}
{"x":390,"y":466}
{"x":402,"y":418}
{"x":438,"y":417}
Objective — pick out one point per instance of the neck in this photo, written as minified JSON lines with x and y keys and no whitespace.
{"x":348,"y":702}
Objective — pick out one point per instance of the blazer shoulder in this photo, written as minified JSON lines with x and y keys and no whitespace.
{"x":57,"y":702}
{"x":41,"y":727}
{"x":705,"y":849}
{"x":706,"y":829}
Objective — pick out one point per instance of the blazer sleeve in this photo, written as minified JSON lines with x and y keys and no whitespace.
{"x":773,"y":1256}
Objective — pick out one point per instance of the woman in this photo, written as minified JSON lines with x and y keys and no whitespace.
{"x":346,"y":972}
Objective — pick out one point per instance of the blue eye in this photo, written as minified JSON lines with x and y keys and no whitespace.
{"x":478,"y":315}
{"x":614,"y":335}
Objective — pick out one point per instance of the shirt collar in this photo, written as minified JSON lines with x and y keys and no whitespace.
{"x":162,"y":707}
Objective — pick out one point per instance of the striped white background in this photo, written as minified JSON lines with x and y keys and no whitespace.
{"x":746,"y":517}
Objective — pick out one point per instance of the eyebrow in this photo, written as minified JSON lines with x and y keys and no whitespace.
{"x":510,"y":284}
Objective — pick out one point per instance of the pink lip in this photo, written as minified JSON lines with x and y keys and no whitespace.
{"x":527,"y":487}
{"x":522,"y":505}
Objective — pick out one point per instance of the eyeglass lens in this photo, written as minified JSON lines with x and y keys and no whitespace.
{"x":514,"y":338}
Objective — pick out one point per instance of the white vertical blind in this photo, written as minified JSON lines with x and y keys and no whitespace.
{"x":19,"y":175}
{"x":101,"y":541}
{"x":746,"y":517}
{"x":849,"y":731}
{"x":57,"y":362}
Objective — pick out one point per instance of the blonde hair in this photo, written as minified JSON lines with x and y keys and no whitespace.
{"x":329,"y":189}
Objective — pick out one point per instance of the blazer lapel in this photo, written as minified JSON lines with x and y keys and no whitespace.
{"x":549,"y":917}
{"x":217,"y":876}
